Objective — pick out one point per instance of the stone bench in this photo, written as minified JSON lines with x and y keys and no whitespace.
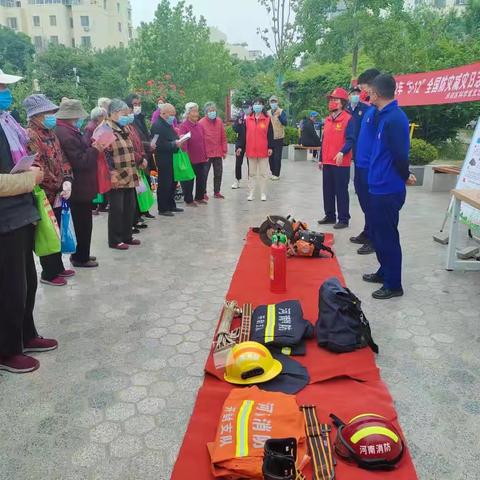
{"x":440,"y":178}
{"x":299,"y":153}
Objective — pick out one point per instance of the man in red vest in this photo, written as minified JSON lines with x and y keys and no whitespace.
{"x":338,"y":142}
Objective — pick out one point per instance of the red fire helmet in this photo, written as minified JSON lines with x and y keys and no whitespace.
{"x":339,"y":93}
{"x":369,"y":440}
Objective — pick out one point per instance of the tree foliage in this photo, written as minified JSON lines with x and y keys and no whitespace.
{"x":16,"y":51}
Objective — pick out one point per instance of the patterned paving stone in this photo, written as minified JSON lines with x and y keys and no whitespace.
{"x":120,"y":411}
{"x":126,"y":446}
{"x":105,"y":432}
{"x":139,"y":425}
{"x":151,"y":405}
{"x":132,"y":394}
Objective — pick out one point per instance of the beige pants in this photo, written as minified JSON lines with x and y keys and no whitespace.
{"x":258,"y":169}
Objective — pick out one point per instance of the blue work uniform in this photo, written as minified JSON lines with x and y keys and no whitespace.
{"x":357,"y":112}
{"x":387,"y":176}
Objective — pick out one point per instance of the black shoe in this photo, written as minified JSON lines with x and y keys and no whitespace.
{"x":385,"y":293}
{"x":166,"y":214}
{"x":340,"y":226}
{"x":135,"y":231}
{"x":141,"y":225}
{"x":366,"y":249}
{"x":372,"y":278}
{"x":148,"y":215}
{"x":327,"y":221}
{"x":178,"y":210}
{"x":359,"y":239}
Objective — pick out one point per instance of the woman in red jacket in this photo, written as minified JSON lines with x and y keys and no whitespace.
{"x":337,"y":144}
{"x":258,"y":147}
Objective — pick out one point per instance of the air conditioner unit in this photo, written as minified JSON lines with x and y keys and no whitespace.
{"x":86,"y":29}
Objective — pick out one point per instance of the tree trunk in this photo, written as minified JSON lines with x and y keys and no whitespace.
{"x":355,"y":60}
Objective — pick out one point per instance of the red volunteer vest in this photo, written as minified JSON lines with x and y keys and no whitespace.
{"x":257,"y":136}
{"x":334,"y":139}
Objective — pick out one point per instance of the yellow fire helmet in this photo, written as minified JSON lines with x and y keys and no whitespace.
{"x":249,"y":363}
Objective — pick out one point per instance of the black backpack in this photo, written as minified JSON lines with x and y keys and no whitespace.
{"x":341,"y":325}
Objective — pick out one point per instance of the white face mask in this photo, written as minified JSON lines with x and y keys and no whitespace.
{"x":137,"y":109}
{"x":159,"y":104}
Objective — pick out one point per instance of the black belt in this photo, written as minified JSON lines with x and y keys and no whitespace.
{"x":319,"y":443}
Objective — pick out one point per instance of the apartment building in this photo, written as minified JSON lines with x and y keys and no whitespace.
{"x":439,"y":4}
{"x":74,"y":23}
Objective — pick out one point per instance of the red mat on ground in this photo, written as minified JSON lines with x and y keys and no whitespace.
{"x":329,"y":390}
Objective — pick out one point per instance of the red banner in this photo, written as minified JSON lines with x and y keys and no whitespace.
{"x":454,"y":85}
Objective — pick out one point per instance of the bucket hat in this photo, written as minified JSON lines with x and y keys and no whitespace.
{"x":70,"y":109}
{"x":38,"y":103}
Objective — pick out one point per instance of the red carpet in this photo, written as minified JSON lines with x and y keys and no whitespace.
{"x":346,"y":397}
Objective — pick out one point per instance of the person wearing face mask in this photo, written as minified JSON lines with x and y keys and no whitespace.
{"x":278,"y":117}
{"x":196,"y":149}
{"x":124,"y":176}
{"x":363,"y":148}
{"x":388,"y":175}
{"x":82,"y":154}
{"x":18,"y":276}
{"x":57,"y":180}
{"x":166,"y":144}
{"x":337,"y":145}
{"x":258,"y":148}
{"x":216,"y":144}
{"x":239,"y":129}
{"x":309,"y":136}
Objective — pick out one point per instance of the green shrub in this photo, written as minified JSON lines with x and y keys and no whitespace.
{"x":231,"y":134}
{"x":422,"y":152}
{"x":291,"y":136}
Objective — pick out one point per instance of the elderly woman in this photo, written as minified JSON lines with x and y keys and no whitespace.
{"x":57,"y":175}
{"x":216,"y":145}
{"x":124,"y":175}
{"x":97,"y":116}
{"x":195,"y":147}
{"x":82,"y":157}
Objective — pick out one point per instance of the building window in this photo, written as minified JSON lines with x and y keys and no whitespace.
{"x":36,"y":21}
{"x":104,"y":4}
{"x":54,"y":39}
{"x":119,"y":27}
{"x":37,"y":41}
{"x":86,"y":42}
{"x":118,"y":7}
{"x":85,"y":21}
{"x":121,"y":45}
{"x":71,"y":23}
{"x":53,"y":20}
{"x":440,"y":3}
{"x":73,"y":43}
{"x":12,"y":23}
{"x":461,"y":2}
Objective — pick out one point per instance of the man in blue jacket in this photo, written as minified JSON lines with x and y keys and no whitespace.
{"x":365,"y":134}
{"x":387,"y":176}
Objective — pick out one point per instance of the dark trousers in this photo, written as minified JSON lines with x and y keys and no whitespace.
{"x":120,"y":215}
{"x":335,"y":188}
{"x":384,"y":217}
{"x":82,"y":221}
{"x":361,"y":187}
{"x":200,"y":181}
{"x":217,"y":164}
{"x":239,"y":164}
{"x":275,"y":159}
{"x":166,"y":186}
{"x":52,"y":265}
{"x":18,"y":286}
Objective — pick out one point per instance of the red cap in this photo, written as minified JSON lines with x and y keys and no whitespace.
{"x":339,"y":93}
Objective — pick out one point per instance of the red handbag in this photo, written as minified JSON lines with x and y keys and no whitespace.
{"x":103,"y":174}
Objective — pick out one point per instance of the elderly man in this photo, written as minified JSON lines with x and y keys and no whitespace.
{"x":278,"y":117}
{"x":166,"y":144}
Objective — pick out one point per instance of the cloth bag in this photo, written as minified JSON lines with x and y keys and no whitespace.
{"x":145,"y":197}
{"x":103,"y":174}
{"x":182,"y":167}
{"x":47,"y":233}
{"x":67,"y":230}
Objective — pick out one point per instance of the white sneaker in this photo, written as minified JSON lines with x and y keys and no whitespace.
{"x":236,"y":184}
{"x":250,"y":197}
{"x":264,"y":197}
{"x":274,"y":178}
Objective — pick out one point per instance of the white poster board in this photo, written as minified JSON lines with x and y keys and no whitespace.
{"x":469,"y":178}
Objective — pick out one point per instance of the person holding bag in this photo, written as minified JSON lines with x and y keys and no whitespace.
{"x":57,"y":181}
{"x":18,"y":276}
{"x":82,"y":157}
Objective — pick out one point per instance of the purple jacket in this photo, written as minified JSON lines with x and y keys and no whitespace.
{"x":195,"y":146}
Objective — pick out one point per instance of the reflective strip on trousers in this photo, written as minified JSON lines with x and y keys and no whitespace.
{"x":270,"y":326}
{"x":243,"y":418}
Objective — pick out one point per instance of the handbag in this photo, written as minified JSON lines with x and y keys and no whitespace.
{"x":145,"y":199}
{"x":182,"y":167}
{"x":103,"y":174}
{"x":67,"y":230}
{"x":47,"y":234}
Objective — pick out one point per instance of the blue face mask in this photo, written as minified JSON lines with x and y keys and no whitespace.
{"x":171,"y":119}
{"x":274,"y":106}
{"x":6,"y":99}
{"x":79,"y":123}
{"x":49,"y":121}
{"x":131,"y":118}
{"x":354,"y":99}
{"x":124,"y":120}
{"x":257,"y":108}
{"x":212,"y":115}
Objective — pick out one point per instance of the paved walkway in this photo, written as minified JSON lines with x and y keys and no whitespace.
{"x":114,"y":401}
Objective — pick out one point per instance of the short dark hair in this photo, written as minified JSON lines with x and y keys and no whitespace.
{"x":384,"y":85}
{"x":368,"y":76}
{"x":129,"y":100}
{"x":259,"y":100}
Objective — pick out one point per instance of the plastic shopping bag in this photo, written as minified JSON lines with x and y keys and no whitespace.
{"x":67,"y":231}
{"x":182,"y":168}
{"x":145,"y":199}
{"x":103,"y":174}
{"x":47,"y":234}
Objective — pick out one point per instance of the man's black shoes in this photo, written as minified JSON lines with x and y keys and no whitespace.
{"x":372,"y":278}
{"x":385,"y":293}
{"x":359,"y":239}
{"x":366,"y":249}
{"x":327,"y":221}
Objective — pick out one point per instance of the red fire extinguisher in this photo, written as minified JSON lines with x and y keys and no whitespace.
{"x":278,"y":265}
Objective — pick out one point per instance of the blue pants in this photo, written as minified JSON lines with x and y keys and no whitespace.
{"x":361,"y":187}
{"x":384,"y":213}
{"x":335,"y":187}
